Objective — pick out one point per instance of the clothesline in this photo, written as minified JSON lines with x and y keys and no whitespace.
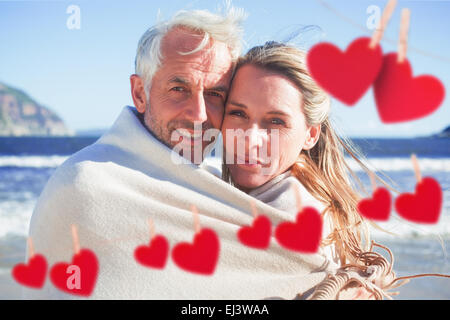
{"x":386,"y":39}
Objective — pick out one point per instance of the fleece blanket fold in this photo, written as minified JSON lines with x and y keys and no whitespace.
{"x":111,"y":188}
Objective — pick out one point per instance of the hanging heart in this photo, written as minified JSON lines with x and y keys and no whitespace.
{"x":31,"y":274}
{"x":201,"y":256}
{"x":423,"y":206}
{"x":378,"y":207}
{"x":155,"y":254}
{"x":401,"y":97}
{"x":258,"y":234}
{"x":79,"y":277}
{"x":345,"y":75}
{"x":304,"y":235}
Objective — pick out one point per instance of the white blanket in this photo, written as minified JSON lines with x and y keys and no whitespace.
{"x":110,"y":189}
{"x":280,"y":193}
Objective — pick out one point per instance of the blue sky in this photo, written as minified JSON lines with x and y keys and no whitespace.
{"x":83,"y":74}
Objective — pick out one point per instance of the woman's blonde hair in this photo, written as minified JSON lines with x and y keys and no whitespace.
{"x":323,"y":169}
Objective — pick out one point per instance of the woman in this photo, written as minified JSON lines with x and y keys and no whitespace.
{"x":290,"y":146}
{"x":272,"y":89}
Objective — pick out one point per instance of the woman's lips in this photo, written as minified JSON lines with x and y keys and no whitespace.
{"x":246,"y":163}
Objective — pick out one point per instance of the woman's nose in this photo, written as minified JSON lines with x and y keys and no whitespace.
{"x":256,"y":137}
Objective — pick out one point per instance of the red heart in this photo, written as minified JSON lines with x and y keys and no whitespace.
{"x":345,"y":75}
{"x":378,"y":207}
{"x":32,"y":274}
{"x":304,"y":235}
{"x":424,"y":206}
{"x":155,"y":254}
{"x":258,"y":234}
{"x":201,"y":256}
{"x":87,"y":263}
{"x":400,"y":97}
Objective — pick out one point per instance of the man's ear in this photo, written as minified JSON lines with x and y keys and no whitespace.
{"x":138,"y":93}
{"x":312,"y":136}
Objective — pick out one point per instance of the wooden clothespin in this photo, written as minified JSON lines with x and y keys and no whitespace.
{"x":30,"y":248}
{"x":151,"y":228}
{"x":385,"y":17}
{"x":373,"y":182}
{"x":196,"y":219}
{"x":75,"y":240}
{"x":403,"y":38}
{"x":416,"y":168}
{"x":254,"y":211}
{"x":298,"y":199}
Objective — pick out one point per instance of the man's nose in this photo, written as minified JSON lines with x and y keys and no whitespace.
{"x":196,"y":109}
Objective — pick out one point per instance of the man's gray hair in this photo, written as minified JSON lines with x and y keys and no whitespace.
{"x":223,"y":27}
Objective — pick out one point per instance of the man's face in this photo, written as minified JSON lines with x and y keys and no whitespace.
{"x":188,"y":89}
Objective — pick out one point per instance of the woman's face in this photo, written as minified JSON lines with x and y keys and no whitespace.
{"x":263,"y":104}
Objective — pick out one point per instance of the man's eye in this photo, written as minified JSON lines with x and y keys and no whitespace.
{"x":215,"y":94}
{"x":178,"y":89}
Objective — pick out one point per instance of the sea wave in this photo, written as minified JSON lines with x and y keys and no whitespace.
{"x":15,"y":217}
{"x":32,"y":161}
{"x":398,"y":228}
{"x":384,"y":164}
{"x":18,"y":203}
{"x":402,"y":164}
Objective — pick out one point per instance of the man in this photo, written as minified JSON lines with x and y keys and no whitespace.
{"x":186,"y":89}
{"x":109,"y":190}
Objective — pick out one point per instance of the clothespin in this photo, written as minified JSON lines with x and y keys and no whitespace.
{"x":196,"y":219}
{"x":151,"y":228}
{"x":30,"y":248}
{"x":254,"y":211}
{"x":416,"y":168}
{"x":373,"y":182}
{"x":298,"y":199}
{"x":385,"y":17}
{"x":403,"y":38}
{"x":75,"y":240}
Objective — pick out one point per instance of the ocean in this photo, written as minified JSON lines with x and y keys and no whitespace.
{"x":26,"y":164}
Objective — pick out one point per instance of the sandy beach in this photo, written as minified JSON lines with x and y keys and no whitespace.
{"x":9,"y":289}
{"x":419,"y":256}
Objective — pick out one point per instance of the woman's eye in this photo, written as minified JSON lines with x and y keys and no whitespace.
{"x":236,"y":113}
{"x":277,"y":121}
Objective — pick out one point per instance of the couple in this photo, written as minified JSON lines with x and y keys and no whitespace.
{"x":189,"y":71}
